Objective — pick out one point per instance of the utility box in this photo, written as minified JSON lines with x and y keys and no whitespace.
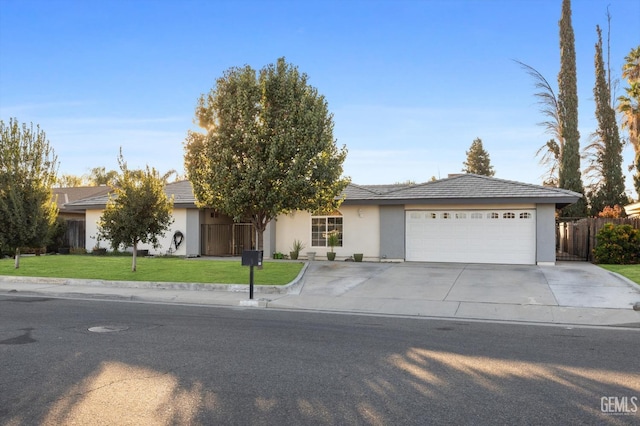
{"x":252,"y":257}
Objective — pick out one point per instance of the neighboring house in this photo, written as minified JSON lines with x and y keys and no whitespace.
{"x":632,"y":210}
{"x":464,"y":218}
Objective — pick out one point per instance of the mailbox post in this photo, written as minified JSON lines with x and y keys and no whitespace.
{"x":251,"y":258}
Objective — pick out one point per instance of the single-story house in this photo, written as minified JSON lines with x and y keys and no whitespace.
{"x":463,"y":218}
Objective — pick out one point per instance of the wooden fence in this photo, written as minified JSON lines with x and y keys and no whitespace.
{"x":576,"y":237}
{"x":74,"y":236}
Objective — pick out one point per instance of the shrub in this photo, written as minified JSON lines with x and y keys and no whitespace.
{"x":612,"y":212}
{"x":617,"y":244}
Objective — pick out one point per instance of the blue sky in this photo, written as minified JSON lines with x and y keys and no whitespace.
{"x":410,"y":83}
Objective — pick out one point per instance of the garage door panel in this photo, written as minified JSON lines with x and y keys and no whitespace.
{"x":474,"y":236}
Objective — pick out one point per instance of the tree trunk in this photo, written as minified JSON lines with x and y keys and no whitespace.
{"x":17,"y":262}
{"x":260,"y":224}
{"x":135,"y":256}
{"x":260,"y":237}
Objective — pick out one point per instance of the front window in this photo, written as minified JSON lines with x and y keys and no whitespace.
{"x":321,"y":226}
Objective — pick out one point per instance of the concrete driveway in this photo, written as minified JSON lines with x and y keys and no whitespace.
{"x":569,"y":292}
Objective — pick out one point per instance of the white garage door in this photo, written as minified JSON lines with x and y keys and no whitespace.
{"x":471,"y":236}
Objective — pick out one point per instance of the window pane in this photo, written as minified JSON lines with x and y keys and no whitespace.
{"x":320,"y":226}
{"x":335,"y":224}
{"x":318,"y":232}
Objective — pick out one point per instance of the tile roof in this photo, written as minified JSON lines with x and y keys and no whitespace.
{"x":181,"y":191}
{"x":458,"y":189}
{"x":462,"y":188}
{"x":65,"y":196}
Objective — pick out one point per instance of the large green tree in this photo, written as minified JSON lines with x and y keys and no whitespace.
{"x":569,"y":176}
{"x":478,"y":161}
{"x":28,"y":167}
{"x":268,"y":147}
{"x":138,"y":211}
{"x":609,"y":189}
{"x":629,"y":106}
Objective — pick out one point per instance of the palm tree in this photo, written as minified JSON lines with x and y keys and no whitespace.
{"x":551,"y":151}
{"x":629,"y":106}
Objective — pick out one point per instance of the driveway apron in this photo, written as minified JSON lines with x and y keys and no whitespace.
{"x":415,"y":286}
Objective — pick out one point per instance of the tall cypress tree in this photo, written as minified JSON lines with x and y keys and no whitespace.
{"x":569,"y":176}
{"x":610,"y":190}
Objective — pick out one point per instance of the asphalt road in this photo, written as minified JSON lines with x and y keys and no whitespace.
{"x":167,"y":364}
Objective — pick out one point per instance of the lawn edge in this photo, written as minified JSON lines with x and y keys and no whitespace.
{"x":290,"y":287}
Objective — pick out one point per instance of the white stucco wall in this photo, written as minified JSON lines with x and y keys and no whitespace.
{"x":166,"y":242}
{"x":181,"y":223}
{"x":361,"y":233}
{"x":91,"y":229}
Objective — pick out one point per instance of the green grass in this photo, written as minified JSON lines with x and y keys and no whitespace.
{"x":630,"y":271}
{"x":165,"y":269}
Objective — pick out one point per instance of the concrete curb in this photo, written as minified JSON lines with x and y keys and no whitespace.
{"x":291,"y":288}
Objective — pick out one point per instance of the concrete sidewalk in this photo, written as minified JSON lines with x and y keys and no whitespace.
{"x":576,"y":293}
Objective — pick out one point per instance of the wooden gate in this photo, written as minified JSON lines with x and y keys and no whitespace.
{"x":576,"y":237}
{"x":74,"y":235}
{"x":227,"y":239}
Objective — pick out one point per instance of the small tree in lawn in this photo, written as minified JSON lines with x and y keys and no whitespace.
{"x":478,"y":161}
{"x":27,"y":173}
{"x":139,"y":211}
{"x":268,"y":147}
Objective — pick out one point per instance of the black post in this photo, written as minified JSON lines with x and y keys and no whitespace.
{"x":251,"y":281}
{"x":588,"y":241}
{"x":251,"y":258}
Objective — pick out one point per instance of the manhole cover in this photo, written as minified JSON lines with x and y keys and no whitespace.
{"x":108,"y":328}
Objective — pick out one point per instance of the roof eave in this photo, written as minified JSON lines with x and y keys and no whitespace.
{"x":561,"y":201}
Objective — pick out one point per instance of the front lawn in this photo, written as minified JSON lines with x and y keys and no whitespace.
{"x":630,"y":271}
{"x":165,"y":269}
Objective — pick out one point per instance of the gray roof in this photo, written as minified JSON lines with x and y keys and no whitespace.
{"x":66,"y":196}
{"x":182,"y":193}
{"x":460,"y":189}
